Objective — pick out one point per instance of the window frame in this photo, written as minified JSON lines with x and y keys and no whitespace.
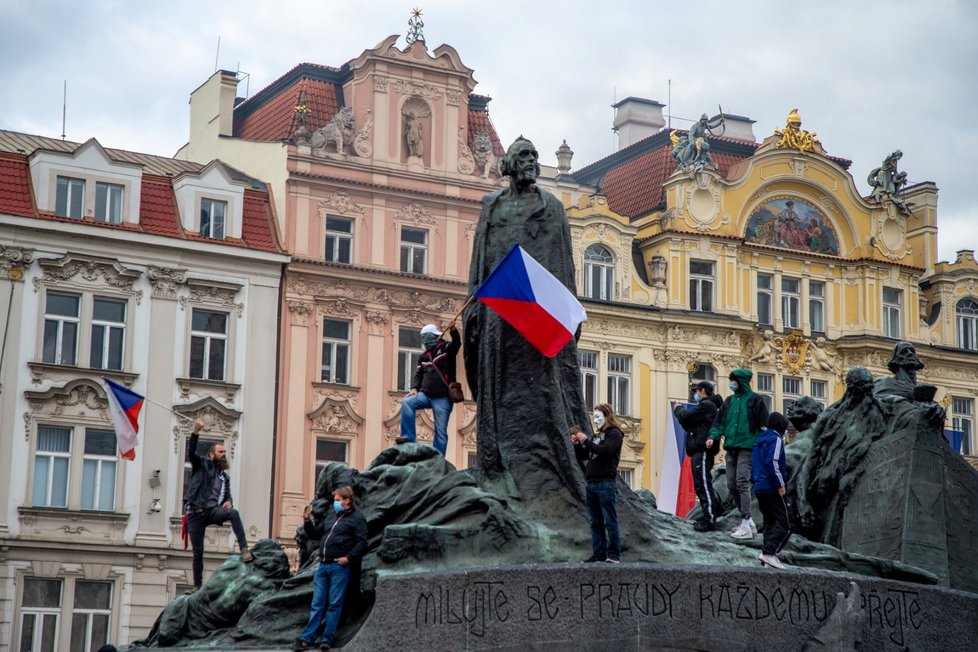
{"x":320,"y":462}
{"x":108,"y":327}
{"x":766,"y":393}
{"x":207,"y":205}
{"x":114,"y":202}
{"x":819,"y":301}
{"x":790,"y":303}
{"x":70,"y":195}
{"x":332,"y":250}
{"x":589,"y":377}
{"x":410,"y":251}
{"x":64,"y":614}
{"x":90,"y":612}
{"x":604,"y":269}
{"x":966,"y":324}
{"x":963,"y":410}
{"x":408,"y":357}
{"x":619,"y":384}
{"x":51,"y":456}
{"x":822,"y":395}
{"x":39,"y":612}
{"x":768,"y":294}
{"x":702,"y":285}
{"x":61,"y":320}
{"x":892,"y":313}
{"x":335,"y":343}
{"x":207,"y":337}
{"x":100,"y":462}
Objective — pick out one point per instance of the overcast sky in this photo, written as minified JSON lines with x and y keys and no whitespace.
{"x":867,"y":76}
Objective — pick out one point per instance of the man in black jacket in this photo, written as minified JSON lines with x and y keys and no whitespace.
{"x":436,"y":369}
{"x":702,"y":449}
{"x":208,"y":500}
{"x":342,"y":538}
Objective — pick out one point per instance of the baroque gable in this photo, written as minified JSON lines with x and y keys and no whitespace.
{"x":85,"y":271}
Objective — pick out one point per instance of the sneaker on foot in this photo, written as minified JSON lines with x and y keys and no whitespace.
{"x":742,"y":532}
{"x":402,"y":440}
{"x":753,"y":526}
{"x":246,"y":555}
{"x":770,"y":560}
{"x":613,"y":559}
{"x":594,"y":558}
{"x":302,"y":645}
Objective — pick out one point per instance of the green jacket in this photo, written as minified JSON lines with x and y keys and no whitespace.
{"x":743,"y":415}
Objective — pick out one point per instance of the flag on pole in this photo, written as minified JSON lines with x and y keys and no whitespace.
{"x":677,"y":495}
{"x":124,"y":406}
{"x":532,"y":300}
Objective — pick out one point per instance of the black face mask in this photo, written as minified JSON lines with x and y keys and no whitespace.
{"x":428,"y":341}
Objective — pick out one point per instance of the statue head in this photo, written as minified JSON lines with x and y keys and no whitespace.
{"x":905,"y":357}
{"x":859,"y":381}
{"x":794,"y":119}
{"x":803,"y":412}
{"x":521,"y":161}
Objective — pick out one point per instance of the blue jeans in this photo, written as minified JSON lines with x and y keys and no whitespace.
{"x":330,"y":582}
{"x":440,"y":406}
{"x":601,"y":497}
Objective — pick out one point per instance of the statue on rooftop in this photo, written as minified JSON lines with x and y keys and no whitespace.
{"x":692,"y":151}
{"x":794,"y":137}
{"x":887,"y":183}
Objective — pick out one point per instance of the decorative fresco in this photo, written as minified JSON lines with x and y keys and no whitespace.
{"x":792,"y":224}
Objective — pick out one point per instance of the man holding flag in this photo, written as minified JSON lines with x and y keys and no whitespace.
{"x":520,"y":337}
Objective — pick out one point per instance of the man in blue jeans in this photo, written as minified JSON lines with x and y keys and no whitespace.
{"x":601,"y":455}
{"x":344,"y":541}
{"x":429,"y":390}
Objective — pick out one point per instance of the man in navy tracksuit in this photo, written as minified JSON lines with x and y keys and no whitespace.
{"x":770,"y":478}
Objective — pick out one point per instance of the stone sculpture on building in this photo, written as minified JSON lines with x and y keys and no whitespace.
{"x":692,"y":151}
{"x":482,"y":154}
{"x":888,"y":183}
{"x":339,"y":130}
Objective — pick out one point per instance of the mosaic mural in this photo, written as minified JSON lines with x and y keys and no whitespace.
{"x":792,"y":224}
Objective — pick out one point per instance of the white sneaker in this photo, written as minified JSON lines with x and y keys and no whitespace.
{"x":742,"y":532}
{"x":753,"y":526}
{"x":770,"y":560}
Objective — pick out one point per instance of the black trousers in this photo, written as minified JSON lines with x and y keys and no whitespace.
{"x":777,"y":528}
{"x":197,"y":522}
{"x":702,"y":468}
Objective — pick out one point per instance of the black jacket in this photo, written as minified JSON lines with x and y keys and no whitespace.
{"x":203,"y":473}
{"x":436,"y":368}
{"x":340,"y":535}
{"x":601,"y":460}
{"x":697,"y":421}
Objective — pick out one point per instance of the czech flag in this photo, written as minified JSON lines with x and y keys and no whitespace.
{"x":532,"y":300}
{"x":677,"y":495}
{"x":125,"y":406}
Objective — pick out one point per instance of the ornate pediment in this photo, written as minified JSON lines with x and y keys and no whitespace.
{"x":340,"y":203}
{"x":88,"y":270}
{"x":78,"y":399}
{"x":335,"y":416}
{"x":214,"y":293}
{"x":425,"y":425}
{"x":220,"y":421}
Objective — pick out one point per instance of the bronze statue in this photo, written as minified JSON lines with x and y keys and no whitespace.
{"x":692,"y":151}
{"x":887,"y":183}
{"x":527,"y":402}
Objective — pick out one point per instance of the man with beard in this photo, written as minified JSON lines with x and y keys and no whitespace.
{"x":208,"y":500}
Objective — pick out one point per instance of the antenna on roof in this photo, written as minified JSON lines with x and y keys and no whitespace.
{"x":241,"y":74}
{"x":218,"y":53}
{"x":64,"y":109}
{"x":669,"y":102}
{"x":614,"y":130}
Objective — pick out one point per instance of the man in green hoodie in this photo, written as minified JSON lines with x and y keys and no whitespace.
{"x":740,"y":420}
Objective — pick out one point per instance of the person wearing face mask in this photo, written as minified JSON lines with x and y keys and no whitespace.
{"x":739,"y":421}
{"x":702,"y":449}
{"x":342,"y":538}
{"x":601,"y":455}
{"x":436,"y":369}
{"x":208,"y":501}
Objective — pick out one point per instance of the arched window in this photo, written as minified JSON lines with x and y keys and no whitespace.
{"x":967,"y":313}
{"x":599,"y":273}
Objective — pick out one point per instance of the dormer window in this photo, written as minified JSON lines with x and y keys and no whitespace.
{"x":108,"y":203}
{"x":70,"y":198}
{"x":212,"y":218}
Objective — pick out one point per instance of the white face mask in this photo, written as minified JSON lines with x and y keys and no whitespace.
{"x":599,"y":419}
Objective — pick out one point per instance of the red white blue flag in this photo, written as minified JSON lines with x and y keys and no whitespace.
{"x":124,"y":406}
{"x":677,"y":494}
{"x":533,"y":301}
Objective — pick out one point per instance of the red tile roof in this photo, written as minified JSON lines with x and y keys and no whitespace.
{"x":479,"y":121}
{"x":16,"y":197}
{"x":158,"y":207}
{"x":257,"y":229}
{"x":276,"y":118}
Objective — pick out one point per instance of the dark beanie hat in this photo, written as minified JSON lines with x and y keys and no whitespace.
{"x":705,"y":385}
{"x":777,"y":421}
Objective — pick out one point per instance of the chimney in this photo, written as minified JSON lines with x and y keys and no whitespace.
{"x":564,"y":155}
{"x":637,"y":118}
{"x":212,"y":107}
{"x":739,"y":127}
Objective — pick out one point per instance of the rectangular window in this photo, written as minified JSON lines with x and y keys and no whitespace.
{"x":51,"y":461}
{"x":212,"y":218}
{"x":336,"y":352}
{"x":60,"y":329}
{"x":588,"y":361}
{"x":892,"y":300}
{"x":765,"y":389}
{"x":98,"y":470}
{"x":765,"y":299}
{"x":70,"y":198}
{"x":39,"y":615}
{"x":471,"y":460}
{"x":339,"y":240}
{"x":328,"y":450}
{"x":816,"y":306}
{"x":414,"y":250}
{"x":963,"y":420}
{"x":208,"y":344}
{"x":619,"y":383}
{"x":108,"y":203}
{"x":701,"y":286}
{"x":791,"y":302}
{"x":90,"y":615}
{"x":408,"y":352}
{"x":108,"y":334}
{"x":790,"y":392}
{"x":819,"y":390}
{"x":626,"y":475}
{"x":203,"y":448}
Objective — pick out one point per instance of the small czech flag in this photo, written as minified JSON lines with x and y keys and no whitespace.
{"x":125,"y":406}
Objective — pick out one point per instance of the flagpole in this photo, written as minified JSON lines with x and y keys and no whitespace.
{"x":182,"y":416}
{"x":462,"y":309}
